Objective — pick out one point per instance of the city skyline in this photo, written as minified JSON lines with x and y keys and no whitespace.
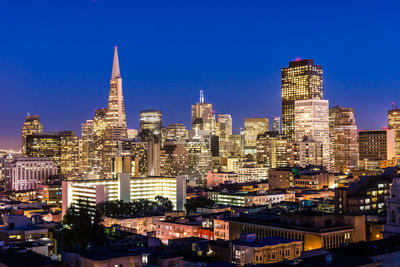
{"x":250,"y":80}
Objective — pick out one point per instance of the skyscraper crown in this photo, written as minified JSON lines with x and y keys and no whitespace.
{"x":115,"y":70}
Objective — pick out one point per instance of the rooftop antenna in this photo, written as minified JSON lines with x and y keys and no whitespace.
{"x":28,"y":113}
{"x":394,"y":106}
{"x":201,"y":96}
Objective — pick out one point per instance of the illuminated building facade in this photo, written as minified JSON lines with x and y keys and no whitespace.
{"x":174,"y":159}
{"x":31,"y":125}
{"x":151,"y":119}
{"x":137,"y":151}
{"x":69,"y":155}
{"x":224,"y":126}
{"x":375,"y":146}
{"x":394,"y":124}
{"x":123,"y":187}
{"x":312,"y":123}
{"x":301,"y":80}
{"x":203,"y":120}
{"x":343,"y":134}
{"x":271,"y":150}
{"x":132,"y":133}
{"x":276,"y":125}
{"x":86,"y":152}
{"x":29,"y":173}
{"x":199,"y":153}
{"x":116,"y":129}
{"x":175,"y":131}
{"x":248,"y":199}
{"x":252,"y":128}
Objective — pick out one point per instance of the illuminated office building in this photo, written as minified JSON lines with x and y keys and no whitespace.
{"x":199,"y":153}
{"x":224,"y":126}
{"x":301,"y":80}
{"x":151,"y":119}
{"x":132,"y":133}
{"x":276,"y":125}
{"x":60,"y":147}
{"x":123,"y":187}
{"x":174,"y":159}
{"x":312,"y":123}
{"x":29,"y":173}
{"x":343,"y":134}
{"x":375,"y":146}
{"x":203,"y":120}
{"x":271,"y":150}
{"x":137,"y":152}
{"x":394,"y":124}
{"x":175,"y":131}
{"x":116,"y":129}
{"x":253,"y":127}
{"x":31,"y":125}
{"x":87,"y":147}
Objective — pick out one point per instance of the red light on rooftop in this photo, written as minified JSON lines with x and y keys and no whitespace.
{"x":297,"y":59}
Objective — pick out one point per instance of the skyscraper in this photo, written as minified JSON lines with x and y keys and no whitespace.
{"x":343,"y":134}
{"x":276,"y":125}
{"x":116,"y":129}
{"x":252,"y":128}
{"x":394,"y":124}
{"x":151,"y":119}
{"x":31,"y":125}
{"x":301,"y":80}
{"x":271,"y":150}
{"x":224,"y":126}
{"x":312,"y":124}
{"x":202,"y":118}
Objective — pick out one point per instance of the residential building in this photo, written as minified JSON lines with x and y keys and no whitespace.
{"x":177,"y":228}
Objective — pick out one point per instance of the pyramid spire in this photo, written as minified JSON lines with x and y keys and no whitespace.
{"x":115,"y":69}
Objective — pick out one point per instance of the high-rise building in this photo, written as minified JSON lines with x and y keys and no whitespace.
{"x":394,"y":124}
{"x":87,"y":146}
{"x":202,"y":118}
{"x":174,"y":159}
{"x":29,"y":173}
{"x":60,"y":147}
{"x":132,"y":133}
{"x":151,"y":119}
{"x":343,"y":134}
{"x":375,"y":146}
{"x":276,"y":125}
{"x":116,"y":129}
{"x":301,"y":80}
{"x":199,"y":153}
{"x":31,"y":125}
{"x":252,"y":128}
{"x":224,"y":126}
{"x":175,"y":131}
{"x":312,"y":123}
{"x":271,"y":150}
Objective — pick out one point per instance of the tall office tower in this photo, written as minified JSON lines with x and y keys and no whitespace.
{"x":69,"y":156}
{"x":375,"y":146}
{"x":115,"y":118}
{"x":271,"y":150}
{"x":343,"y":135}
{"x":394,"y":124}
{"x":136,"y":152}
{"x":202,"y":118}
{"x":87,"y":147}
{"x":276,"y":125}
{"x":224,"y":126}
{"x":29,"y":173}
{"x":252,"y":128}
{"x":174,"y":159}
{"x":151,"y":119}
{"x":132,"y":133}
{"x":175,"y":131}
{"x":99,"y":132}
{"x":61,"y":147}
{"x":301,"y":80}
{"x":31,"y":125}
{"x":153,"y":156}
{"x":312,"y":123}
{"x":199,"y":153}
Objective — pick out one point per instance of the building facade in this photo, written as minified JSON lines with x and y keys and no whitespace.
{"x":252,"y":128}
{"x":31,"y":125}
{"x":301,"y":80}
{"x":271,"y":150}
{"x":151,"y":119}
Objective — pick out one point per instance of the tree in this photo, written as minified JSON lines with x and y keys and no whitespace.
{"x":163,"y":203}
{"x":194,"y":203}
{"x":80,"y":229}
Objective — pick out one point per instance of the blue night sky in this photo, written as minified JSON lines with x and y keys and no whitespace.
{"x":56,"y":57}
